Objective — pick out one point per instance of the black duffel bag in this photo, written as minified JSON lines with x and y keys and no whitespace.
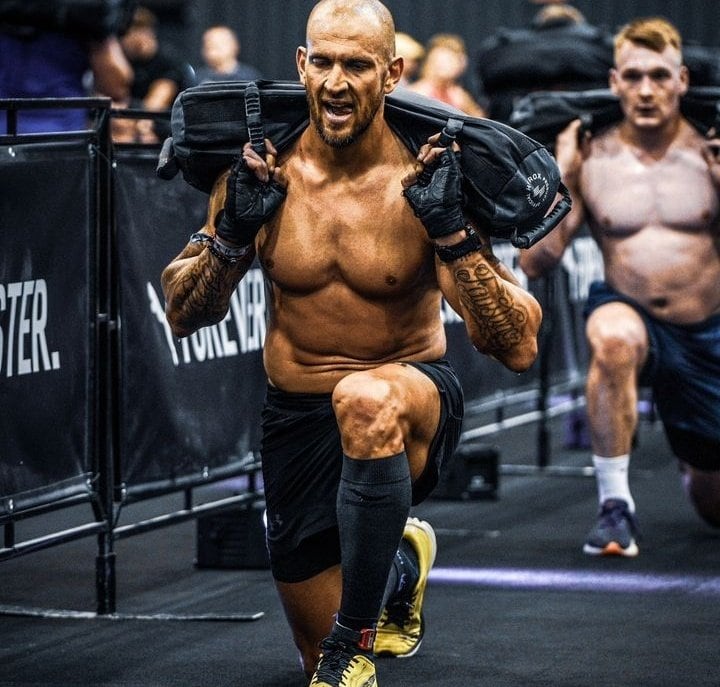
{"x":510,"y":180}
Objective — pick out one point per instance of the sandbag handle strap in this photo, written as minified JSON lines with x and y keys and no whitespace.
{"x":447,"y":136}
{"x":253,"y":118}
{"x":548,"y":223}
{"x":450,"y":132}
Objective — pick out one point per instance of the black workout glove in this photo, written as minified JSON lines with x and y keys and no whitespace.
{"x":248,"y":205}
{"x":438,"y":202}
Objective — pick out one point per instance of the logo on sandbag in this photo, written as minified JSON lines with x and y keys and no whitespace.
{"x":536,"y":188}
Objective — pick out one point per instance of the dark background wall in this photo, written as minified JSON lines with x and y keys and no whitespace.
{"x":270,"y":30}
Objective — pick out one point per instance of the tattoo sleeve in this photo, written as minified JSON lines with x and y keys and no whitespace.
{"x":498,"y":318}
{"x":198,"y":287}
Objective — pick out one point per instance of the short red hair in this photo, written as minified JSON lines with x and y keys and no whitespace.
{"x":655,"y":33}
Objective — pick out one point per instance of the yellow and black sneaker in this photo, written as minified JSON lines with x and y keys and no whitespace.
{"x":401,"y":626}
{"x":346,"y":663}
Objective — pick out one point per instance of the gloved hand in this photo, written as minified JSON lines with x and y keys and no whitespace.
{"x":249,"y":203}
{"x":438,"y":201}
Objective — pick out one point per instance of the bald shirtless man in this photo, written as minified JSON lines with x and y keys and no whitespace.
{"x":648,"y":188}
{"x":361,"y":408}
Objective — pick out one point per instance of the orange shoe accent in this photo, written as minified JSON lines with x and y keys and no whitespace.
{"x":613,"y":549}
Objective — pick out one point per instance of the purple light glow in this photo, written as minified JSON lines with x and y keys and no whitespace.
{"x":576,"y":580}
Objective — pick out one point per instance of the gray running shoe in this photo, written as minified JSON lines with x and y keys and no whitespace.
{"x":615,"y":532}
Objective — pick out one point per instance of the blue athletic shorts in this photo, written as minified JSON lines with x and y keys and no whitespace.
{"x":301,"y":463}
{"x":683,"y":369}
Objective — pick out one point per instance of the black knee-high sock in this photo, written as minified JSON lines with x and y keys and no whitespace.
{"x":373,"y":503}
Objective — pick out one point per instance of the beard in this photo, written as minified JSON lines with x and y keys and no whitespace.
{"x":363,"y":121}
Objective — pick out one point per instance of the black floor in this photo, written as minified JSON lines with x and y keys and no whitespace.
{"x":512,"y":600}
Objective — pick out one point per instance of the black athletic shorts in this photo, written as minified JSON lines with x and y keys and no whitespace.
{"x":301,"y":462}
{"x":683,"y":370}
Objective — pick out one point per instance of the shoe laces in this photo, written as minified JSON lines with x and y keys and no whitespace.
{"x":337,"y":658}
{"x":613,"y":512}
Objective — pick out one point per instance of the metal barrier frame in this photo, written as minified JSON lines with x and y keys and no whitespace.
{"x":105,"y":495}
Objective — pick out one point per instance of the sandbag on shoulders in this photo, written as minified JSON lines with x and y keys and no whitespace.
{"x":208,"y":124}
{"x":511,"y":180}
{"x":568,"y":57}
{"x":524,"y":59}
{"x":544,"y":114}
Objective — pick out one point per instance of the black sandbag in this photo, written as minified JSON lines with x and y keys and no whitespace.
{"x":511,"y":180}
{"x":209,"y":125}
{"x":703,"y":63}
{"x":543,"y":58}
{"x":568,"y":57}
{"x":543,"y":115}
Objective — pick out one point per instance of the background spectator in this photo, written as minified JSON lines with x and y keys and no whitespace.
{"x":159,"y":74}
{"x":445,"y":64}
{"x":221,"y":53}
{"x":37,"y":63}
{"x":413,"y":53}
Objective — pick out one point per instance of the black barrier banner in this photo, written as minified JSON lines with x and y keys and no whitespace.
{"x":46,"y":249}
{"x":190,"y":408}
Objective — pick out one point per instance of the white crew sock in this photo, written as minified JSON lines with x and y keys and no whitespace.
{"x":612,"y":479}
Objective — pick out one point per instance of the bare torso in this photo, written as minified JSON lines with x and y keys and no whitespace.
{"x":351,"y":271}
{"x":656,"y":219}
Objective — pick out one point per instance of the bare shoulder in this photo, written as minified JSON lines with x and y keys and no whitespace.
{"x":607,"y":142}
{"x":689,"y":136}
{"x":404,"y":154}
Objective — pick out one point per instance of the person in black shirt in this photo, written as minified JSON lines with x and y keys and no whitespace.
{"x":159,"y":75}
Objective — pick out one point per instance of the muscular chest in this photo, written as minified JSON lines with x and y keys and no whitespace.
{"x":625,"y":193}
{"x":360,"y":233}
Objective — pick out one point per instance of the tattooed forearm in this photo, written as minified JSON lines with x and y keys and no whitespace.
{"x":207,"y":292}
{"x":198,"y":293}
{"x":498,"y":319}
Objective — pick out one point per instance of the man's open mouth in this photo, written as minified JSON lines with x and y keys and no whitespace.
{"x":338,"y":110}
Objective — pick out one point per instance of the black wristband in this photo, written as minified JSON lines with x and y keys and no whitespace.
{"x":469,"y":244}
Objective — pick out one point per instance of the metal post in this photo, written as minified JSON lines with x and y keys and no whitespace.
{"x":105,"y":580}
{"x":105,"y":424}
{"x":543,"y":430}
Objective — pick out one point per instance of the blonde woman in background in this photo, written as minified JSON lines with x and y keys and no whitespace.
{"x":413,"y":52}
{"x":445,"y":63}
